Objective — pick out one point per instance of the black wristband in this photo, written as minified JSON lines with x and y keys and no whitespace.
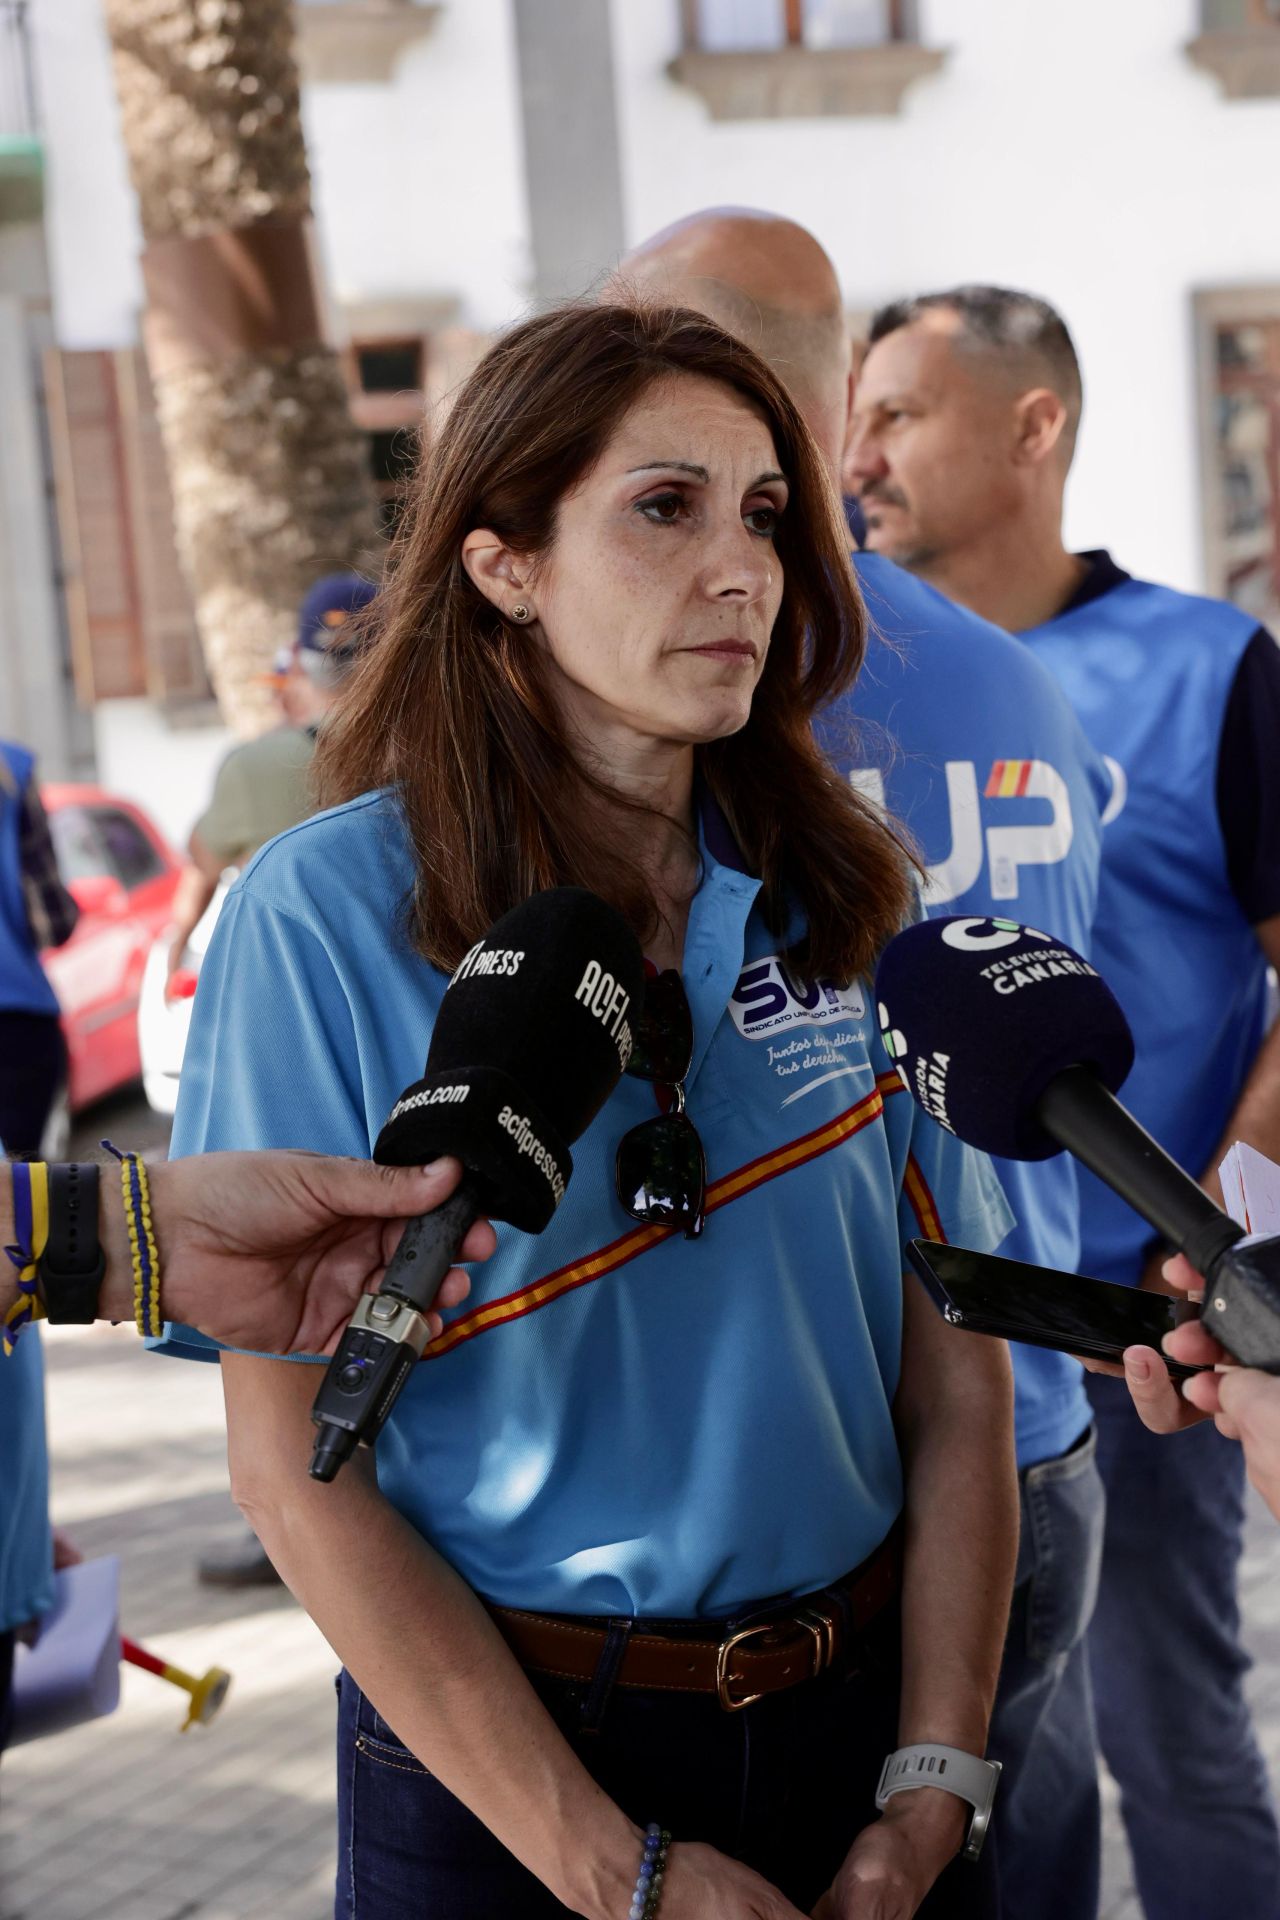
{"x":73,"y":1263}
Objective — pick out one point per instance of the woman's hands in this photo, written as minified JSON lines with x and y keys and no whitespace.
{"x":702,"y":1884}
{"x":889,"y":1869}
{"x":893,"y":1863}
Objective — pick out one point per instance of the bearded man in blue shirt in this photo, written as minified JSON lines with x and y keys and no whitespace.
{"x":966,"y":418}
{"x":967,"y":738}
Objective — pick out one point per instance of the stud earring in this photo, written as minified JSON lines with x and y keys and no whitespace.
{"x":520,"y":612}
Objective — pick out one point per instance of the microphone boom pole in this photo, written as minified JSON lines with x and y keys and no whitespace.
{"x":1086,"y":1118}
{"x":1013,"y":1042}
{"x":1242,"y":1298}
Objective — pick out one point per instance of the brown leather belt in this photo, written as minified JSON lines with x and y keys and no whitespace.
{"x":738,"y":1667}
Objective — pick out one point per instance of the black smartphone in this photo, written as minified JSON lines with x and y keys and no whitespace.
{"x":1043,"y":1308}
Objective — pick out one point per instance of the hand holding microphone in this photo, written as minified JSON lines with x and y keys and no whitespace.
{"x":1013,"y":1042}
{"x":532,"y":1037}
{"x":1243,"y":1402}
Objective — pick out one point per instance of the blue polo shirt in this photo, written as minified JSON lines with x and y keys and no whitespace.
{"x":26,"y":1544}
{"x":1181,"y":693}
{"x":968,"y":740}
{"x":619,"y":1421}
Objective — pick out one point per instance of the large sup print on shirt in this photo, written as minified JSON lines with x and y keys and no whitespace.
{"x":1036,"y":842}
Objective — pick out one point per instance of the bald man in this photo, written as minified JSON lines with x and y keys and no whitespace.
{"x":768,"y":282}
{"x":968,"y":410}
{"x":966,"y":737}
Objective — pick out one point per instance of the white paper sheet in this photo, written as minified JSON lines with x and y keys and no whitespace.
{"x":1251,"y":1189}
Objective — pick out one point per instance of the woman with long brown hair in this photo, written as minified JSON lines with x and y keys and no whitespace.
{"x":694,"y":1512}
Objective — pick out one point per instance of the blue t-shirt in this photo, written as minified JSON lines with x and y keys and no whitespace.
{"x":1150,"y":672}
{"x":619,"y":1421}
{"x":969,"y":741}
{"x":23,"y":986}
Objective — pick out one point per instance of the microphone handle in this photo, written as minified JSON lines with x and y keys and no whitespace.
{"x":1081,"y":1114}
{"x":1242,"y":1298}
{"x":430,"y":1242}
{"x":387,"y":1332}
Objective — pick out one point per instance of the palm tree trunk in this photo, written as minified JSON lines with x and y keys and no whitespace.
{"x":270,"y":477}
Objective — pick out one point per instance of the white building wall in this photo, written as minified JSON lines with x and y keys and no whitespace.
{"x":419,"y":185}
{"x":418,"y":181}
{"x":91,"y":216}
{"x":1068,"y":147}
{"x":33,"y":695}
{"x":418,"y":192}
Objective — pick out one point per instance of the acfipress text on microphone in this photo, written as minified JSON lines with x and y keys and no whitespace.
{"x":608,"y":1000}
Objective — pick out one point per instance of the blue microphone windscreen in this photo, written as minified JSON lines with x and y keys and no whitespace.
{"x":979,"y":1015}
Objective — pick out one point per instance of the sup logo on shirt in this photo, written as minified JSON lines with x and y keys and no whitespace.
{"x":1005,"y":849}
{"x":768,"y":997}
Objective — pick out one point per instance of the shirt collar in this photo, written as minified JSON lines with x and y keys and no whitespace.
{"x":1101,"y":576}
{"x":716,"y":938}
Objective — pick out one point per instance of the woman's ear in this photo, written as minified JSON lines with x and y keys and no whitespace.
{"x":501,"y":576}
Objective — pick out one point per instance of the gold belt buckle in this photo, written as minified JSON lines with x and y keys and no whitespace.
{"x":823,"y":1628}
{"x":819,"y":1624}
{"x":725,"y":1648}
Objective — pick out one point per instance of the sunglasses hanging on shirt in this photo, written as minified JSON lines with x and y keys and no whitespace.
{"x":661,"y":1170}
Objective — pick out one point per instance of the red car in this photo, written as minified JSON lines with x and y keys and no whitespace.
{"x":122,"y":874}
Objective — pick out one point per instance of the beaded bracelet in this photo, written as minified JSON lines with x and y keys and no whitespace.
{"x":142,"y":1243}
{"x":31,"y":1229}
{"x":648,"y":1894}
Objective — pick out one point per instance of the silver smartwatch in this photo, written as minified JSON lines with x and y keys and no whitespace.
{"x":955,"y":1772}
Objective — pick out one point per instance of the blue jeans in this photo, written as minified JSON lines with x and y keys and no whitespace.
{"x":6,"y":1687}
{"x":35,"y":1065}
{"x":784,"y":1786}
{"x":1168,"y":1670}
{"x":1048,"y":1809}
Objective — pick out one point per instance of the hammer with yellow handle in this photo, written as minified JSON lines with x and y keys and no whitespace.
{"x":207,"y":1693}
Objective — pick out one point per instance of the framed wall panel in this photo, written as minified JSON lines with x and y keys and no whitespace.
{"x":1238,"y":361}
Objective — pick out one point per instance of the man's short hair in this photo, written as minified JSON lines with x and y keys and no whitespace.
{"x":1028,"y":335}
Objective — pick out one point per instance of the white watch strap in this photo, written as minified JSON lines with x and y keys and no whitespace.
{"x":953,"y":1771}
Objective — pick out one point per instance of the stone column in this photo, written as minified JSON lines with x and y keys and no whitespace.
{"x":572,"y":164}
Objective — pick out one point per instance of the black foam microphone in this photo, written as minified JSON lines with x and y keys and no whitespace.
{"x":1014,"y":1043}
{"x":532,"y":1037}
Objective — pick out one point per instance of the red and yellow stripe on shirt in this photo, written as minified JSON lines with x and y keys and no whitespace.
{"x":1008,"y":779}
{"x":923,"y":1204}
{"x":731,"y":1186}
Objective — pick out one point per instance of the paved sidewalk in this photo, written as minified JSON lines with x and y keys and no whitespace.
{"x":128,"y":1819}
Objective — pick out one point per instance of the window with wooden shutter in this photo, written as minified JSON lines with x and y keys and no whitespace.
{"x":129,"y":614}
{"x":175,"y":669}
{"x":99,"y":569}
{"x":386,"y":379}
{"x":1238,"y":350}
